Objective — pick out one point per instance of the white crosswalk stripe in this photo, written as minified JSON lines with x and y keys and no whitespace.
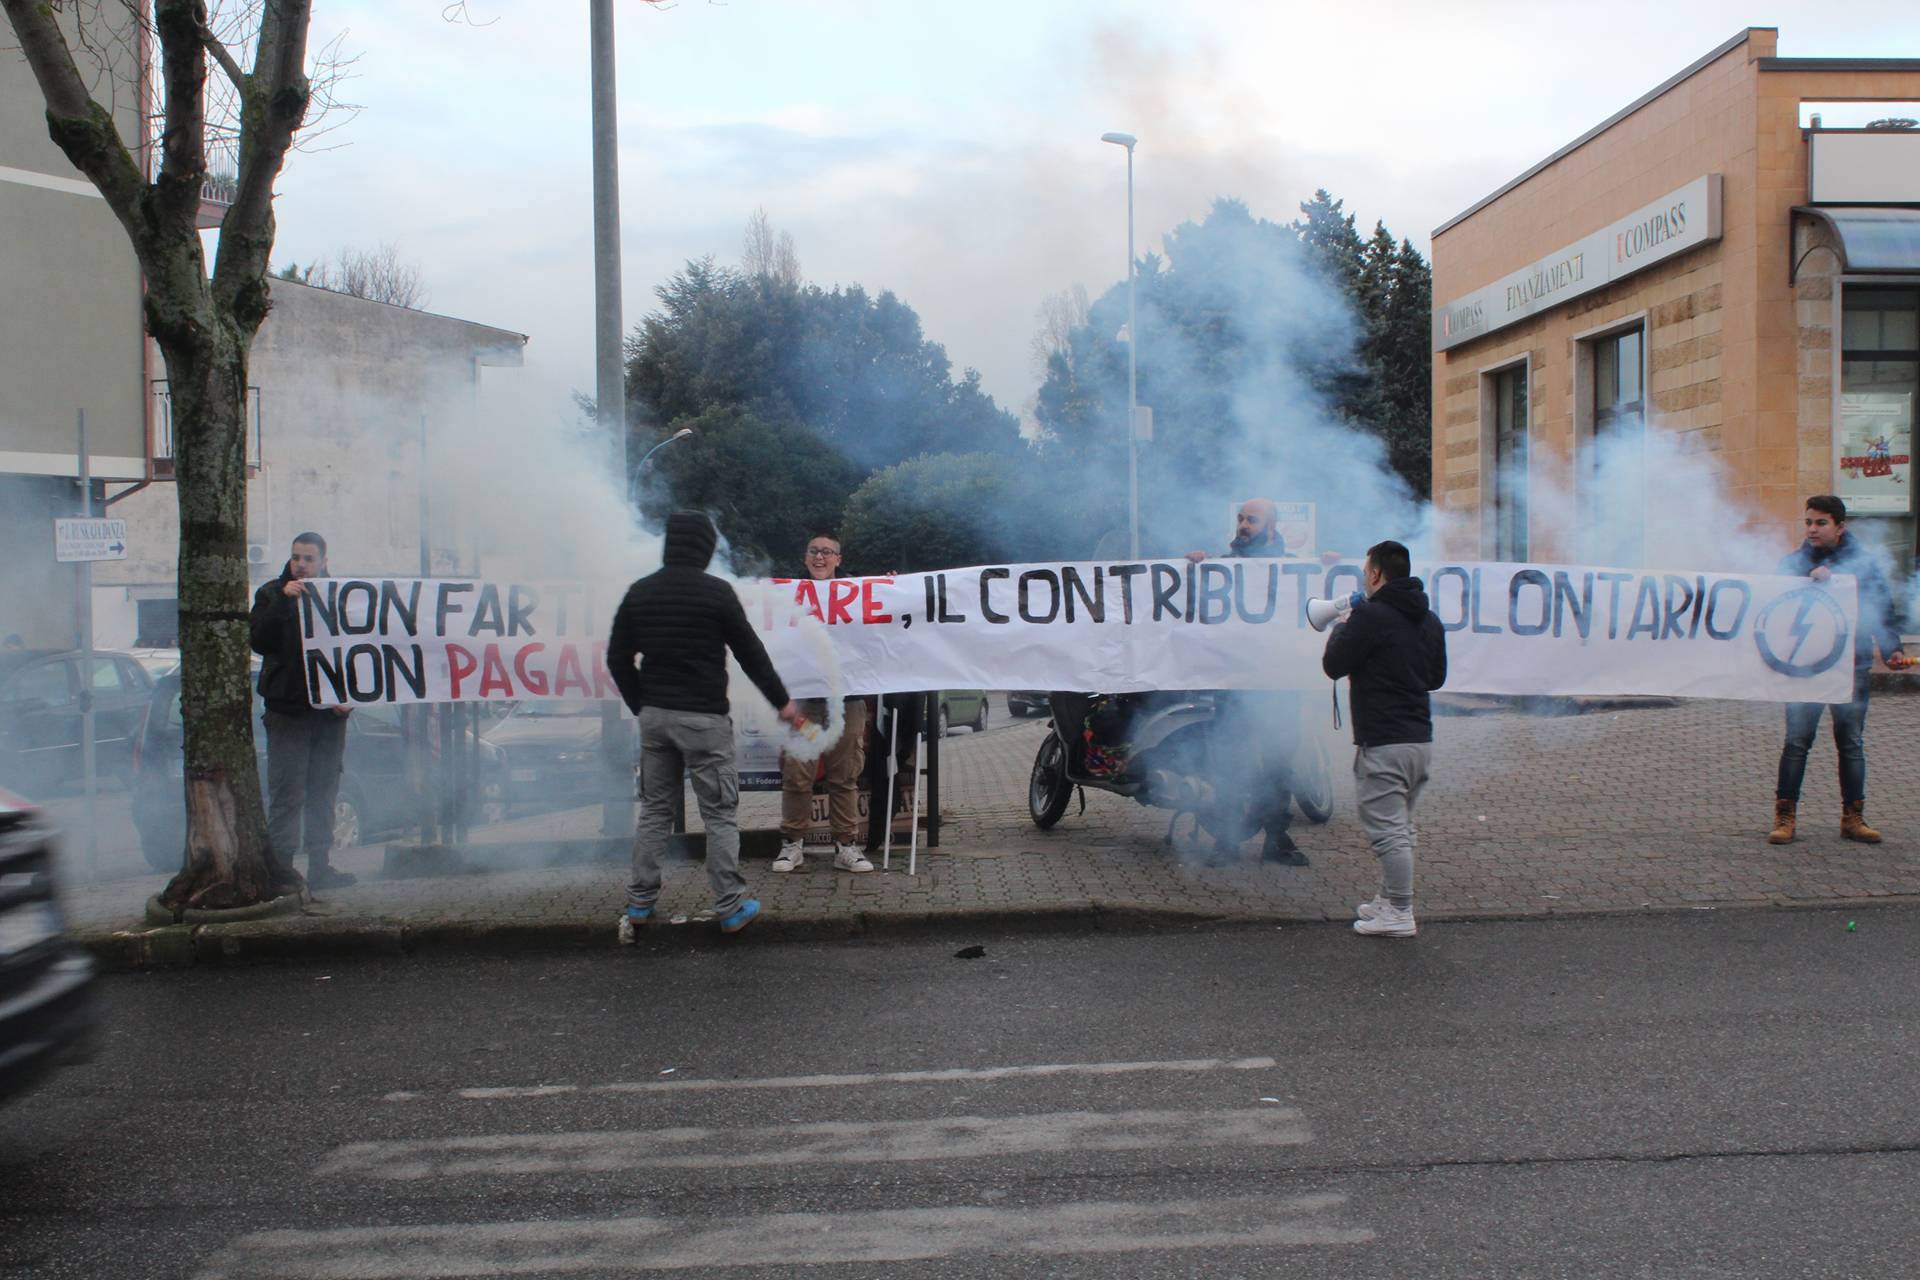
{"x":781,"y":1239}
{"x":838,"y":1142}
{"x":952,"y":1075}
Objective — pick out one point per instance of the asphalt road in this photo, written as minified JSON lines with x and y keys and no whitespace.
{"x":1700,"y":1095}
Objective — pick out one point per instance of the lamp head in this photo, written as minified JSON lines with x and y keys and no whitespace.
{"x":1126,"y":140}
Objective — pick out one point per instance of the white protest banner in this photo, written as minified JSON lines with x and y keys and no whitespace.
{"x":1113,"y":628}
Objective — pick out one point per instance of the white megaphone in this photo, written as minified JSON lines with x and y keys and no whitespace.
{"x":1323,"y":613}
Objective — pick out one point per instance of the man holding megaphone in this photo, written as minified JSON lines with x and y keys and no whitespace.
{"x":1394,"y":651}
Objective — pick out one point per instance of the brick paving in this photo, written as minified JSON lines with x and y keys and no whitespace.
{"x":1648,"y":807}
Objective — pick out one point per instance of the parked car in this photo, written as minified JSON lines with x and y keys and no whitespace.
{"x":376,"y":796}
{"x":1027,"y":702}
{"x":963,"y":707}
{"x":553,"y":753}
{"x":40,"y":715}
{"x":46,"y":1009}
{"x":158,"y":662}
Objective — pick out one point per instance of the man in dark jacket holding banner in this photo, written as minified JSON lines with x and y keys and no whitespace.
{"x":1394,"y":651}
{"x":1259,"y":731}
{"x":305,"y":743}
{"x":668,"y":655}
{"x":1830,"y":549}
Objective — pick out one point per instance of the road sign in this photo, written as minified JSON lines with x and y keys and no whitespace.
{"x":78,"y":539}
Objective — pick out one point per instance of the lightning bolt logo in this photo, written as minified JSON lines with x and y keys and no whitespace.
{"x":1809,"y":606}
{"x":1800,"y":629}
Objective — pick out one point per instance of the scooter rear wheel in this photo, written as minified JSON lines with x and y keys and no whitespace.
{"x":1313,"y":779}
{"x":1049,"y":790}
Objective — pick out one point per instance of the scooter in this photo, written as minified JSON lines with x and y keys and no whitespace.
{"x":1171,"y":746}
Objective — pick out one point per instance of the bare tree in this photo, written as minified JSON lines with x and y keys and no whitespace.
{"x":767,"y":256}
{"x":204,"y":324}
{"x":377,"y":275}
{"x":1060,"y":314}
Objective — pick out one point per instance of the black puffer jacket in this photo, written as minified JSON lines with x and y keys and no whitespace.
{"x":274,"y":624}
{"x":1395,"y":652}
{"x":679,"y":623}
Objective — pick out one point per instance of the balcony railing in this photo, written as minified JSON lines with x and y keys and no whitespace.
{"x":163,"y":428}
{"x":222,"y":182}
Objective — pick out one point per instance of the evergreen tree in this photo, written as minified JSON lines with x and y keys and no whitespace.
{"x":830,"y":383}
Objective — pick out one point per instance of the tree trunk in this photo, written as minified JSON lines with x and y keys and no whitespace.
{"x":226,"y":855}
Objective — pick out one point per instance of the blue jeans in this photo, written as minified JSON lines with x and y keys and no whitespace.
{"x":1849,"y":738}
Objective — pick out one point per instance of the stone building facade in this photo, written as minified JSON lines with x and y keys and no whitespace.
{"x":1705,"y":264}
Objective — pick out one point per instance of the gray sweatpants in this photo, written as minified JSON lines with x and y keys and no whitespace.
{"x":701,"y":744}
{"x":1387,"y":782}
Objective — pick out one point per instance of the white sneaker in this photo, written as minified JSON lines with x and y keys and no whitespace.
{"x":790,"y":857}
{"x":848,"y":858}
{"x":1388,"y":922}
{"x":1368,"y":910}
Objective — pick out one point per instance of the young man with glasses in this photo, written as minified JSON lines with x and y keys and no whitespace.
{"x":843,"y":761}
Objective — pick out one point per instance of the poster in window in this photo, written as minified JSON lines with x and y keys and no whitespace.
{"x":1875,"y":470}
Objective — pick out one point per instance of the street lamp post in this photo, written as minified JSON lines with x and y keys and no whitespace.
{"x":647,"y":457}
{"x":681,"y":434}
{"x":1128,"y":141}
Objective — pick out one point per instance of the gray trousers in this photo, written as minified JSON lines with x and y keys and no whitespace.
{"x":303,"y":779}
{"x":700,"y":744}
{"x":1387,"y":782}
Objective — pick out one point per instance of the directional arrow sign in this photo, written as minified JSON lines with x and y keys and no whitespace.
{"x":89,"y":540}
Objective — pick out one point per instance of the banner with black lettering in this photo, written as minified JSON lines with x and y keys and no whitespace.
{"x":1110,"y":627}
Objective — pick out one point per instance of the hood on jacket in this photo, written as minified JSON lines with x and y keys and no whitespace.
{"x":691,"y":539}
{"x":1408,"y":595}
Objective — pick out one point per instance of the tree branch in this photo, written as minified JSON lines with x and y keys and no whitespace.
{"x":183,"y":134}
{"x":273,"y":106}
{"x":224,"y":57}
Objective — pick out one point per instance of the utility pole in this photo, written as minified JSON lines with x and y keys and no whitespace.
{"x":610,"y":393}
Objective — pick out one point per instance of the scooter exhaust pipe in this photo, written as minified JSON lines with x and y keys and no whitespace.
{"x":1323,"y":612}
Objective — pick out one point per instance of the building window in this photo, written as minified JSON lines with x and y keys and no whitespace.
{"x":1879,"y":384}
{"x":1510,"y":463}
{"x":1619,"y":410}
{"x":1616,"y":456}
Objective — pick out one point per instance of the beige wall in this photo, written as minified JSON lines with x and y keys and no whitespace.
{"x":70,"y":328}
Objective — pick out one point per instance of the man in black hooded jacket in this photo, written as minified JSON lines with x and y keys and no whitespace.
{"x":668,"y":655}
{"x":305,"y":743}
{"x":1394,"y":651}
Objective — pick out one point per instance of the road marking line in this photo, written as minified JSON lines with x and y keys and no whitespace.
{"x":830,"y":1142}
{"x":618,"y":1245}
{"x":950,"y":1075}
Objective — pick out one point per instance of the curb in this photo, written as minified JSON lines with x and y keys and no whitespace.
{"x":270,"y":941}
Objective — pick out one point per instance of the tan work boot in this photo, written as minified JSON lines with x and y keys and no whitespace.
{"x":1853,"y":823}
{"x":1782,"y":832}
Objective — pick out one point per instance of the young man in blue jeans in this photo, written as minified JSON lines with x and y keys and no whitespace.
{"x":668,"y":655}
{"x":1830,"y":549}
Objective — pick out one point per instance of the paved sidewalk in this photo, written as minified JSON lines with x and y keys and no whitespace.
{"x":1635,"y":809}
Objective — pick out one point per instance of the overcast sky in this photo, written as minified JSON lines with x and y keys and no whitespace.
{"x":948,"y":149}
